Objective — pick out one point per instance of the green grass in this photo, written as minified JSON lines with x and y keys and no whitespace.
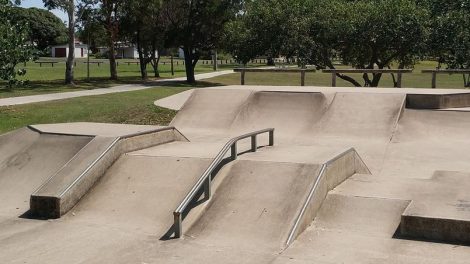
{"x":413,"y":80}
{"x":48,"y":79}
{"x":124,"y":108}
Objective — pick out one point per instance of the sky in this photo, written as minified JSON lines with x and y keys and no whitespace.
{"x":40,"y":4}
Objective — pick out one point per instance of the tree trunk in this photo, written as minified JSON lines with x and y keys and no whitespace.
{"x":189,"y":65}
{"x":466,"y":80}
{"x":143,"y":65}
{"x":270,"y":61}
{"x":112,"y":58}
{"x":351,"y":80}
{"x":111,"y":28}
{"x":71,"y":56}
{"x":155,"y":62}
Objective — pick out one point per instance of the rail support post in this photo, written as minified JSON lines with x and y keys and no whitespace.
{"x":234,"y":151}
{"x":207,"y":189}
{"x":271,"y":138}
{"x":177,"y":224}
{"x":254,"y":143}
{"x":242,"y":77}
{"x":333,"y":79}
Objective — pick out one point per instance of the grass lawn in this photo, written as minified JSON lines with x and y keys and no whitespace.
{"x":413,"y":80}
{"x":48,"y":79}
{"x":125,"y":108}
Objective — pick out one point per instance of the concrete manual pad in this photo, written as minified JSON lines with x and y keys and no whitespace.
{"x":442,"y":215}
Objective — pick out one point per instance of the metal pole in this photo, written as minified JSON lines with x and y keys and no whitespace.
{"x":254,"y":144}
{"x":434,"y":82}
{"x":177,"y":225}
{"x":333,"y":79}
{"x":207,"y":188}
{"x":234,"y":151}
{"x":271,"y":138}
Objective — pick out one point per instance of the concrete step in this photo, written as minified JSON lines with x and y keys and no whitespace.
{"x":444,"y":214}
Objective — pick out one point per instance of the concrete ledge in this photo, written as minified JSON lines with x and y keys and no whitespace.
{"x":332,"y":173}
{"x":65,"y":188}
{"x":435,"y":229}
{"x":437,"y":101}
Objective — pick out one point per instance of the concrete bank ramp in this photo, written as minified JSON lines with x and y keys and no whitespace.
{"x":141,"y":192}
{"x":266,"y":204}
{"x":210,"y":110}
{"x":255,"y":205}
{"x":27,"y":159}
{"x":289,"y":112}
{"x":362,"y":115}
{"x":296,"y":116}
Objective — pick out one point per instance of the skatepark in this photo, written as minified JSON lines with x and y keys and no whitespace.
{"x":247,"y":174}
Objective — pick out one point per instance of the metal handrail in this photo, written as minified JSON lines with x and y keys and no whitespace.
{"x":205,"y":179}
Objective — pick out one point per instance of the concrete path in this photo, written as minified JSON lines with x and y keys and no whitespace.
{"x":117,"y":89}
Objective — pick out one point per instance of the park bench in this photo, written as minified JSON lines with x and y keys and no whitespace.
{"x":131,"y":62}
{"x":46,"y":62}
{"x":94,"y":62}
{"x":450,"y":72}
{"x":399,"y":72}
{"x":302,"y":72}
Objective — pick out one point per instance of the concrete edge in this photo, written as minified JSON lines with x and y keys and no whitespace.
{"x":59,"y":204}
{"x":443,"y":230}
{"x":331,"y":174}
{"x":437,"y":101}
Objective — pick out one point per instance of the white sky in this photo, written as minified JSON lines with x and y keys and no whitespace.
{"x":40,"y":4}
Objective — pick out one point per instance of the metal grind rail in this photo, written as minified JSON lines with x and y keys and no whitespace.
{"x":205,"y":180}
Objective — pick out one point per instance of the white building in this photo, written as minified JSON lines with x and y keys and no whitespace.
{"x":61,"y":51}
{"x":129,"y":52}
{"x":123,"y":51}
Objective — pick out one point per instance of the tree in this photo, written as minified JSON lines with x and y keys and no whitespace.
{"x":109,"y":14}
{"x":71,"y":7}
{"x":450,"y":34}
{"x":266,"y":27}
{"x":366,"y":34}
{"x":44,"y":28}
{"x":240,"y":41}
{"x":142,"y":24}
{"x":196,"y":26}
{"x":68,"y":6}
{"x":14,"y":45}
{"x":92,"y":32}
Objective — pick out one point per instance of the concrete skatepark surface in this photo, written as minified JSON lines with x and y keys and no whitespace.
{"x":418,"y":161}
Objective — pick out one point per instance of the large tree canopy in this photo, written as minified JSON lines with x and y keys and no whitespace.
{"x":361,"y":33}
{"x":44,"y":28}
{"x":197,"y":26}
{"x":142,"y":24}
{"x":14,"y":45}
